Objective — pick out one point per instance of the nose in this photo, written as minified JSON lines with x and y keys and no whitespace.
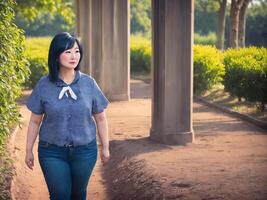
{"x":73,"y":55}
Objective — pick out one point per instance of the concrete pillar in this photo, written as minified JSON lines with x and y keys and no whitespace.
{"x":83,"y":25}
{"x":104,"y":28}
{"x":172,"y":68}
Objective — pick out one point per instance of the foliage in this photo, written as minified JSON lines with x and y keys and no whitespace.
{"x":30,"y":9}
{"x":208,"y":63}
{"x":256,"y":33}
{"x":37,"y":54}
{"x":246,"y":74}
{"x":205,"y":16}
{"x":45,"y":25}
{"x":37,"y":47}
{"x":38,"y":68}
{"x":141,"y":17}
{"x":140,"y":54}
{"x":208,"y":68}
{"x":209,"y":39}
{"x":13,"y":67}
{"x":34,"y":18}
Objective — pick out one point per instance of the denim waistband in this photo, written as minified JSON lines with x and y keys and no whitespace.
{"x":71,"y":145}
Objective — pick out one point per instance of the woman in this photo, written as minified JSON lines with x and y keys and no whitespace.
{"x":67,"y":103}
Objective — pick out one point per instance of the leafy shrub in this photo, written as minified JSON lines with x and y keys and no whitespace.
{"x":209,"y":39}
{"x":38,"y":68}
{"x":140,"y":54}
{"x":37,"y":54}
{"x":37,"y":47}
{"x":246,"y":74}
{"x":13,"y":67}
{"x":208,"y":68}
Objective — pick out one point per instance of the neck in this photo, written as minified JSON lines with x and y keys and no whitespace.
{"x":67,"y":75}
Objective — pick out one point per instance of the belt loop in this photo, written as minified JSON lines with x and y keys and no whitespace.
{"x":69,"y":145}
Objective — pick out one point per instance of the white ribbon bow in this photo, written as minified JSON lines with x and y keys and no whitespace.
{"x":65,"y":91}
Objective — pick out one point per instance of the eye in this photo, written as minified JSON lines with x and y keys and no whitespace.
{"x":77,"y":51}
{"x":67,"y":51}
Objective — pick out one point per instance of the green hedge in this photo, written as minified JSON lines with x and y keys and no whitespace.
{"x":37,"y":47}
{"x":246,"y":74}
{"x":208,"y":63}
{"x":13,"y":67}
{"x":208,"y":68}
{"x":38,"y":68}
{"x":37,"y":54}
{"x":140,"y":54}
{"x":209,"y":39}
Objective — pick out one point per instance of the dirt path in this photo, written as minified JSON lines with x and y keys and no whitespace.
{"x":228,"y":159}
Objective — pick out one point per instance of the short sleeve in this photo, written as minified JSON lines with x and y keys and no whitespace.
{"x":100,"y":102}
{"x":34,"y":102}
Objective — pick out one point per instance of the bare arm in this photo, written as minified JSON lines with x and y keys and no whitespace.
{"x":102,"y":127}
{"x":32,"y":133}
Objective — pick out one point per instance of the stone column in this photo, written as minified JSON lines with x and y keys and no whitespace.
{"x":104,"y":29}
{"x":172,"y":68}
{"x":83,"y":25}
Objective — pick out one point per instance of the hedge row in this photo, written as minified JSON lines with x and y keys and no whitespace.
{"x":13,"y":67}
{"x":243,"y":72}
{"x":209,"y":39}
{"x":246,"y":74}
{"x":36,"y":54}
{"x":140,"y":54}
{"x":208,"y":68}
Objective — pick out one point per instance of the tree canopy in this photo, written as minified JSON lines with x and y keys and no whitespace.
{"x":141,"y":16}
{"x":31,"y":9}
{"x":46,"y":17}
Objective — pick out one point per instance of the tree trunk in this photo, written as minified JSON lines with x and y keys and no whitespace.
{"x":242,"y":24}
{"x":234,"y":18}
{"x":221,"y":24}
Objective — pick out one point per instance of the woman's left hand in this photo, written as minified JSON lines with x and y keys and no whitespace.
{"x":105,"y":156}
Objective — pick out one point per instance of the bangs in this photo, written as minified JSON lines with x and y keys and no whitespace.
{"x":70,"y":43}
{"x":66,"y":43}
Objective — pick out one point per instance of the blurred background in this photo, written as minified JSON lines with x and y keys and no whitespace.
{"x":230,"y":55}
{"x":33,"y":17}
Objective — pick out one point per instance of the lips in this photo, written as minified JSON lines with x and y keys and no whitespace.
{"x":72,"y":63}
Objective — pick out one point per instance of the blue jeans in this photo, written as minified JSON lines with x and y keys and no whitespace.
{"x":67,"y":169}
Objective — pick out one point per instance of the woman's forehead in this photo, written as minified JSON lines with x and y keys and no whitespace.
{"x":75,"y":46}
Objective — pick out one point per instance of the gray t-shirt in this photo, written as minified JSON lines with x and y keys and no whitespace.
{"x":67,"y":120}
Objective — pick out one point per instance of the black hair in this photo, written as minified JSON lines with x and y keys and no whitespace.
{"x":60,"y":43}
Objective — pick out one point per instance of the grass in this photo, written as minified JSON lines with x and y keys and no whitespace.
{"x":37,"y":47}
{"x":218,"y":96}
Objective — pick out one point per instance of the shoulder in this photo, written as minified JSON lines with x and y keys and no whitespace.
{"x":87,"y":78}
{"x":43,"y":81}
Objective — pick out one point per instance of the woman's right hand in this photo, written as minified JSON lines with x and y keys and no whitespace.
{"x":29,"y":159}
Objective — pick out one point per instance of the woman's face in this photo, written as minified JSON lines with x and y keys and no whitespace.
{"x":70,"y":57}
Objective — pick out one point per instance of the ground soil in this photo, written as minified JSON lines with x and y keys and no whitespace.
{"x":227,"y":160}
